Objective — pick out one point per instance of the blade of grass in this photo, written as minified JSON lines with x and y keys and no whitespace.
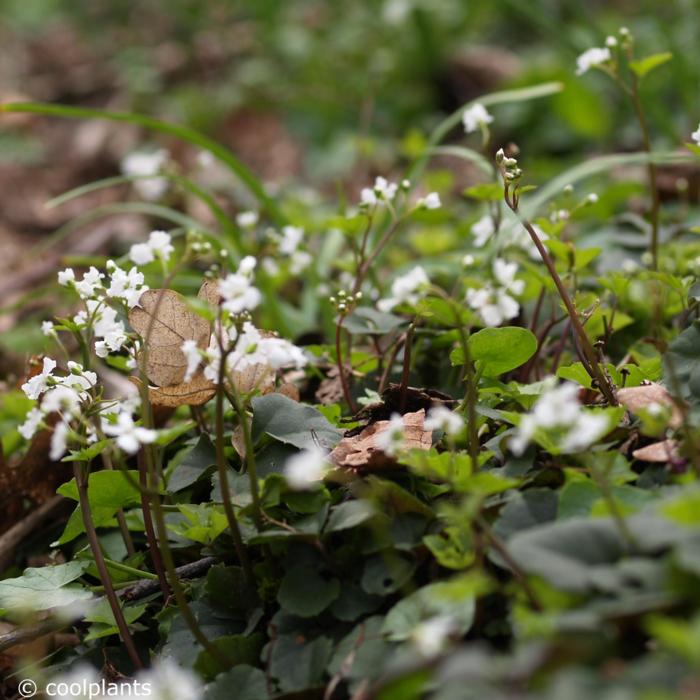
{"x":241,"y":171}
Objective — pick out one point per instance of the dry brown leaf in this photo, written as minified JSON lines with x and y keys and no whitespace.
{"x":171,"y":322}
{"x":209,"y":291}
{"x":254,"y":378}
{"x":641,"y":397}
{"x":195,"y":392}
{"x":664,"y":451}
{"x":291,"y":391}
{"x":361,"y":451}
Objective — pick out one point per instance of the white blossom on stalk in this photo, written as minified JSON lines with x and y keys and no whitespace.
{"x":475,"y":117}
{"x":430,"y":201}
{"x":558,"y":409}
{"x":109,"y":333}
{"x":47,"y":328}
{"x":238,"y":293}
{"x":495,"y":303}
{"x":391,"y":439}
{"x":129,"y":435}
{"x":482,"y":230}
{"x":39,"y":383}
{"x":31,"y":424}
{"x":159,"y":245}
{"x":431,"y":636}
{"x":166,"y":680}
{"x":89,"y":284}
{"x":406,"y":289}
{"x":66,"y":277}
{"x":59,"y":441}
{"x":61,"y":399}
{"x":291,"y":238}
{"x":696,"y":135}
{"x":192,"y":355}
{"x":306,"y":469}
{"x":592,"y":58}
{"x":383,"y":191}
{"x":146,"y":166}
{"x":247,"y":219}
{"x":128,"y":286}
{"x":441,"y":418}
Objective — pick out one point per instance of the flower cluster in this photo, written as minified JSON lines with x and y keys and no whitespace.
{"x":382,"y":192}
{"x":159,"y":245}
{"x":406,"y":289}
{"x":559,"y":413}
{"x":145,"y":166}
{"x":494,"y":303}
{"x":237,"y":288}
{"x":592,"y":58}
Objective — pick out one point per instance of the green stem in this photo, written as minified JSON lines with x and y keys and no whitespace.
{"x":118,"y":566}
{"x":81,"y":480}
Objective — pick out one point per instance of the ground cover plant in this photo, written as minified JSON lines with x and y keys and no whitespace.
{"x":412,"y":440}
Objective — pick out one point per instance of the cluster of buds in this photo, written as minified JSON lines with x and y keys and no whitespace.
{"x":511,"y":173}
{"x":345,"y":302}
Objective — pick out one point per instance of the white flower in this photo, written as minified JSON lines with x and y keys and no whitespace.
{"x":59,"y":441}
{"x":306,"y":469}
{"x":247,"y":265}
{"x":441,"y":418}
{"x":391,"y":439}
{"x":127,"y":285}
{"x":299,"y":261}
{"x":482,"y":230}
{"x":247,"y":219}
{"x":147,"y":165}
{"x":109,"y":332}
{"x":468,"y":260}
{"x":611,"y":42}
{"x":191,"y":352}
{"x":558,"y":409}
{"x":431,"y":637}
{"x":475,"y":117}
{"x":270,"y":266}
{"x":589,"y":428}
{"x":165,"y":680}
{"x":592,"y":58}
{"x":66,"y":277}
{"x":159,"y":245}
{"x":430,"y":201}
{"x":368,"y":197}
{"x":495,"y":304}
{"x":129,"y":436}
{"x":31,"y":423}
{"x":406,"y":289}
{"x":39,"y":383}
{"x":291,"y":238}
{"x":79,"y":379}
{"x":696,"y":136}
{"x":78,"y":684}
{"x":385,"y":189}
{"x":88,"y":286}
{"x":47,"y":328}
{"x":61,"y":399}
{"x":238,"y":293}
{"x":592,"y":198}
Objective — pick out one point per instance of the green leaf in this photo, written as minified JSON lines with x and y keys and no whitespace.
{"x":108,"y":491}
{"x":385,"y":573}
{"x":298,"y":663}
{"x":647,"y":64}
{"x":292,"y":422}
{"x":236,"y":648}
{"x":103,"y":622}
{"x":350,"y":514}
{"x":498,"y":350}
{"x":202,"y":523}
{"x":368,"y":321}
{"x":305,"y":592}
{"x":249,"y":683}
{"x":44,"y":588}
{"x":195,"y":464}
{"x":485,"y":192}
{"x":682,"y":364}
{"x":227,"y":590}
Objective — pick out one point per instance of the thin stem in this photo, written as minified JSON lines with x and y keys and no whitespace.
{"x":367,"y":263}
{"x":151,"y":538}
{"x":123,"y":568}
{"x":406,"y":369}
{"x":222,"y":468}
{"x":341,"y":365}
{"x":81,"y":480}
{"x":586,"y":347}
{"x":652,"y":171}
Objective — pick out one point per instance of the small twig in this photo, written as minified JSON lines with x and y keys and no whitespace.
{"x":341,"y":366}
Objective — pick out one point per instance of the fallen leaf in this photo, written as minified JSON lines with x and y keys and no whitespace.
{"x":260,"y":378}
{"x":196,"y":392}
{"x":361,"y":451}
{"x":170,"y":321}
{"x":664,"y":451}
{"x":209,"y":291}
{"x":641,"y":397}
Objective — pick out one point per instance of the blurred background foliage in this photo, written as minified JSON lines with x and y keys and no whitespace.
{"x":351,"y":81}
